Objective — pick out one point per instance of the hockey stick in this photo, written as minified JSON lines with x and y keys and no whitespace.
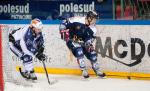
{"x":129,"y":65}
{"x":46,"y":72}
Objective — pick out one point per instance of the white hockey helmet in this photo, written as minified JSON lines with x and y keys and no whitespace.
{"x":37,"y":23}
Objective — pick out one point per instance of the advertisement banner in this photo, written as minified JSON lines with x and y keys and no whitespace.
{"x":53,"y":9}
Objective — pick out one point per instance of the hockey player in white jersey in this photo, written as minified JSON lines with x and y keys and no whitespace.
{"x":79,"y":34}
{"x":27,"y":42}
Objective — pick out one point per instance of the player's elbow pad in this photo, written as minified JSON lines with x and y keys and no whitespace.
{"x":62,"y":27}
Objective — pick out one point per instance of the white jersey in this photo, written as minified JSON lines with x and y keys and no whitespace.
{"x":19,"y":36}
{"x":77,"y":19}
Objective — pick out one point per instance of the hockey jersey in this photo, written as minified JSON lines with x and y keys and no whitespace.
{"x":78,"y":28}
{"x":27,"y":41}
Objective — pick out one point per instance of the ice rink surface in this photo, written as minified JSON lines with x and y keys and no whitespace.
{"x":77,"y":83}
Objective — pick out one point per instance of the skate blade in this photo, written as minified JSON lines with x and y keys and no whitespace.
{"x":30,"y":80}
{"x":85,"y":79}
{"x":102,"y":77}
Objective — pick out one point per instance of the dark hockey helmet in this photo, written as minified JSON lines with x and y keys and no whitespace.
{"x":92,"y":14}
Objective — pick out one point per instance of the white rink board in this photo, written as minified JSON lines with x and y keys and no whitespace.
{"x":126,"y":33}
{"x":59,"y":55}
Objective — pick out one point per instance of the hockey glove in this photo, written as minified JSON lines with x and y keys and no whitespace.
{"x":64,"y":34}
{"x":11,"y":38}
{"x":41,"y":57}
{"x":41,"y":50}
{"x":90,"y":48}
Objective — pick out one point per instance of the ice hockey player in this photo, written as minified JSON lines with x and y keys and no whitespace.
{"x":27,"y":42}
{"x":79,"y":34}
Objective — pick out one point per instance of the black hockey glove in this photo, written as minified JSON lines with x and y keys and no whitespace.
{"x":41,"y":57}
{"x":11,"y":38}
{"x":40,"y":50}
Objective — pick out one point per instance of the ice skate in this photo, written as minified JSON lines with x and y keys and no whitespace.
{"x":28,"y":75}
{"x":85,"y":74}
{"x":100,"y":74}
{"x":32,"y":75}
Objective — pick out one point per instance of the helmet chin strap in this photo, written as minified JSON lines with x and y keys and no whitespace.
{"x":89,"y":21}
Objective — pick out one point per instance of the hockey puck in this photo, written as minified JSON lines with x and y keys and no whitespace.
{"x":129,"y":77}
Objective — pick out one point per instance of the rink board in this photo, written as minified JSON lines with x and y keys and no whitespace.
{"x":123,"y":50}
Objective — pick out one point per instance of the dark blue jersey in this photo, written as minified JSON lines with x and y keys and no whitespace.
{"x":78,"y":29}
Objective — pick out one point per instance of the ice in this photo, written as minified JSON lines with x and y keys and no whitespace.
{"x":77,"y":83}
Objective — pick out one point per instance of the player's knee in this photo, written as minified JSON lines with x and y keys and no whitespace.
{"x":26,"y":58}
{"x":93,"y":57}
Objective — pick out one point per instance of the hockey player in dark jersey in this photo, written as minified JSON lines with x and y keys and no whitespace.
{"x":27,"y":42}
{"x":79,"y":34}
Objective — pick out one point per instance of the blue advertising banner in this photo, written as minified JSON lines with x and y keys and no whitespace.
{"x":53,"y":9}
